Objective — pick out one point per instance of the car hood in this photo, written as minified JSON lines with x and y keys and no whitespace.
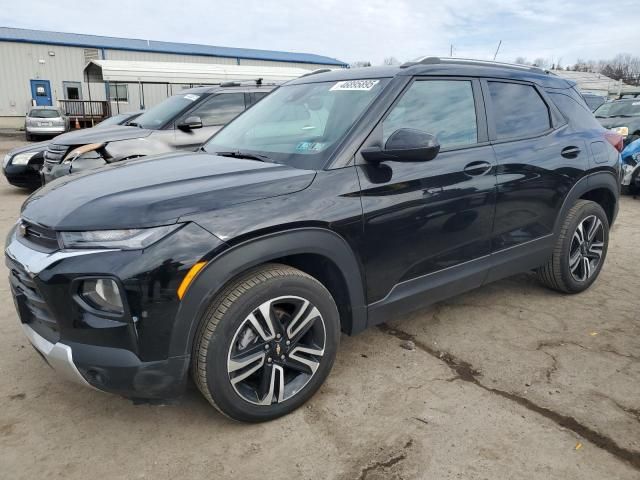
{"x":611,"y":122}
{"x":32,"y":147}
{"x":158,"y":191}
{"x":101,"y":135}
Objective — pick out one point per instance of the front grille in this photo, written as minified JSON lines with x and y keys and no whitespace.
{"x":37,"y":235}
{"x":54,"y":154}
{"x":32,"y":308}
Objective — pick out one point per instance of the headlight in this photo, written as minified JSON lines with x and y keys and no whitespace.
{"x":22,"y":158}
{"x":624,"y":131}
{"x":76,"y":152}
{"x":103,"y":294}
{"x":131,"y":239}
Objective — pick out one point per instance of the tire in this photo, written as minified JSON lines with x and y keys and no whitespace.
{"x":28,"y":136}
{"x":557,"y":273}
{"x":233,"y":328}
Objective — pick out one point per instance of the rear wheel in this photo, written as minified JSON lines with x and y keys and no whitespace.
{"x":28,"y":136}
{"x":580,"y":249}
{"x":266,"y":343}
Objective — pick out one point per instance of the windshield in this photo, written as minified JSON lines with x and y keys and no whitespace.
{"x":298,"y":125}
{"x":44,"y":113}
{"x":116,"y":120}
{"x":617,"y":109}
{"x":156,"y":117}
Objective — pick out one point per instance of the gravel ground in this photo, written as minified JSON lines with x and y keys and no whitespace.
{"x":508,"y":381}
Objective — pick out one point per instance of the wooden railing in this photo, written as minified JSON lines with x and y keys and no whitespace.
{"x":86,"y":110}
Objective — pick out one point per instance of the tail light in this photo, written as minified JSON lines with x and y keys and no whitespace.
{"x":615,"y":139}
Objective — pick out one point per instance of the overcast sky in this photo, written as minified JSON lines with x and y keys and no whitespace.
{"x":353,"y":30}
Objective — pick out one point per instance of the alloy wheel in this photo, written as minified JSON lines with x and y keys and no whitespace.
{"x":276,"y":350}
{"x":587,"y":246}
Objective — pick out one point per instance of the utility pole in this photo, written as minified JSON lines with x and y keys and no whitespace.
{"x":451,"y":50}
{"x":497,"y":50}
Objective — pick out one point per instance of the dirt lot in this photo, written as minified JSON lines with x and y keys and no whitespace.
{"x":508,"y":381}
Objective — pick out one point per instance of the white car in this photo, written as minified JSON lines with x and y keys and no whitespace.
{"x":45,"y":121}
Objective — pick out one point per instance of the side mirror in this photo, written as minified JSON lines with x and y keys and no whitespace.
{"x":404,"y":145}
{"x":190,"y":123}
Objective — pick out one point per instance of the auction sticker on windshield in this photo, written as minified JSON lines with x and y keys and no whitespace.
{"x":192,"y":97}
{"x":365,"y":85}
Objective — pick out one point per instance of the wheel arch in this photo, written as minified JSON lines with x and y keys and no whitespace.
{"x":599,"y":187}
{"x":319,"y":252}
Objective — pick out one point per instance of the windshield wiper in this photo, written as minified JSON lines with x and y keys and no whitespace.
{"x":133,"y":124}
{"x":239,"y":154}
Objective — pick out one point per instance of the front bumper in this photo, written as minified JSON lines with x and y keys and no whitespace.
{"x":130,"y":355}
{"x":58,"y":355}
{"x":23,"y":175}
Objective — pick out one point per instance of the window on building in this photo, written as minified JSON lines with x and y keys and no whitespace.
{"x":443,"y":108}
{"x":118,"y":92}
{"x":519,"y":110}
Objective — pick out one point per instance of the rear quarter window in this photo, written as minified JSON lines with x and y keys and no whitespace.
{"x":576,"y":112}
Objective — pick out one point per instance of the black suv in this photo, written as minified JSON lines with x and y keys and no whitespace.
{"x":341,"y":199}
{"x":181,"y":122}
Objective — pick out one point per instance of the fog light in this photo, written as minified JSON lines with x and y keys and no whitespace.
{"x":103,"y":294}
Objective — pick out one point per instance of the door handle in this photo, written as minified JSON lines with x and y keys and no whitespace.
{"x":570,"y":152}
{"x":475,"y":169}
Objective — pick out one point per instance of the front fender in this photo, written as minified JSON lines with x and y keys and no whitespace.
{"x":232,"y":262}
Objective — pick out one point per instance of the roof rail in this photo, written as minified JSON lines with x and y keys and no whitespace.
{"x":470,"y":61}
{"x":317,"y":70}
{"x":235,"y":83}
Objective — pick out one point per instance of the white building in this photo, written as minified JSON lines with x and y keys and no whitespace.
{"x":45,"y":67}
{"x":596,"y":83}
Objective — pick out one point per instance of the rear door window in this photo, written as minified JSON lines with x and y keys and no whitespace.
{"x":219,"y":109}
{"x":257,"y":96}
{"x":518,"y":110}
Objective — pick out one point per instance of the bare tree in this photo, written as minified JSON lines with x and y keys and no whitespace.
{"x":541,"y":62}
{"x":391,"y":61}
{"x":360,"y":64}
{"x":522,"y":60}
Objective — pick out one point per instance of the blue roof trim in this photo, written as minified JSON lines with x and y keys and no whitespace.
{"x":94,"y":41}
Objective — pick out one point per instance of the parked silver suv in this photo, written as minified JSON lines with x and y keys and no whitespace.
{"x":181,"y":122}
{"x":45,"y":121}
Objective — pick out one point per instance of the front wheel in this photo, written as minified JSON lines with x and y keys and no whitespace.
{"x":266,"y":343}
{"x":580,"y":249}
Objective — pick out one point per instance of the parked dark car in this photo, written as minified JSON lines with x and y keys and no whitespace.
{"x":621,"y":116}
{"x":593,"y":100}
{"x":181,"y":122}
{"x":119,"y":119}
{"x":339,"y":201}
{"x":21,"y":166}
